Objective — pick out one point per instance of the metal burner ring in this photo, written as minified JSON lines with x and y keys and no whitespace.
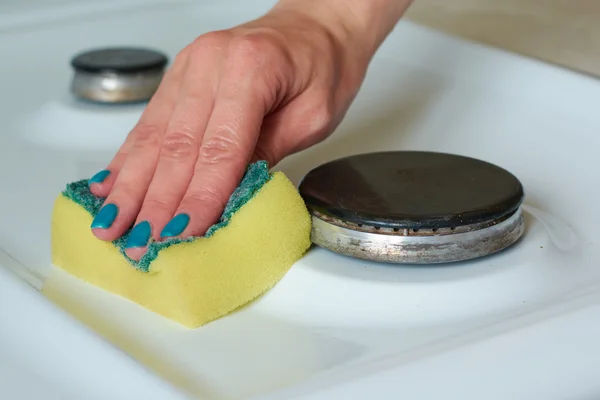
{"x":110,"y":87}
{"x":418,"y":249}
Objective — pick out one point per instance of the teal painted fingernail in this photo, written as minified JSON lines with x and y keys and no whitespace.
{"x":175,"y":226}
{"x":105,"y":217}
{"x":99,"y":177}
{"x":139,"y":236}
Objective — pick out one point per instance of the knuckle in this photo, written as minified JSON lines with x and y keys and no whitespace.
{"x":257,"y":48}
{"x":221,"y":147}
{"x":121,"y":195}
{"x":183,"y":55}
{"x":214,"y":39}
{"x":321,"y":118}
{"x":179,"y":145}
{"x":153,"y":204}
{"x":206,"y":197}
{"x":146,"y":135}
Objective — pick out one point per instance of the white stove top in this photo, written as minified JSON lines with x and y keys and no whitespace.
{"x":519,"y":324}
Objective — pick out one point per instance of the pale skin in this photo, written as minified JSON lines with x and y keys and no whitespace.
{"x":259,"y":91}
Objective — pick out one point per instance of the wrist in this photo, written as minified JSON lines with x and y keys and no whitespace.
{"x":363,"y":23}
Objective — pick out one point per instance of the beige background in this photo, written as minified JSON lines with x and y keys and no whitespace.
{"x":563,"y":32}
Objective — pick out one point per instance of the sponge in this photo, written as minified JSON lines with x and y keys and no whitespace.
{"x":263,"y":231}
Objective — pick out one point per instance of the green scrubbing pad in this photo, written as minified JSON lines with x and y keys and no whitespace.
{"x":255,"y":177}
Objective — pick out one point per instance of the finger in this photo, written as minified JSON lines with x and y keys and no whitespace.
{"x":177,"y":159}
{"x":102,"y":182}
{"x":290,"y":130}
{"x":132,"y":181}
{"x":273,"y":144}
{"x":228,"y":143}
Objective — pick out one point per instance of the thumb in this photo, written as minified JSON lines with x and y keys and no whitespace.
{"x":282,"y":136}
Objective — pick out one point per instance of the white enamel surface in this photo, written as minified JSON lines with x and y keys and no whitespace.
{"x":509,"y":324}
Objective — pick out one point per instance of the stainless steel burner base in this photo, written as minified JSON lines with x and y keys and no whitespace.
{"x":111,"y":87}
{"x":405,"y":248}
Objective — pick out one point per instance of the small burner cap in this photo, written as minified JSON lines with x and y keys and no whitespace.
{"x":117,"y":75}
{"x":123,"y":60}
{"x":413,"y":206}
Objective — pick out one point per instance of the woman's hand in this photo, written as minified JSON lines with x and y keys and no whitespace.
{"x":261,"y":90}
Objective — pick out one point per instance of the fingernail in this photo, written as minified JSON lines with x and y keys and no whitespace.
{"x":99,"y":177}
{"x":175,"y":226}
{"x":105,"y":217}
{"x":139,"y":236}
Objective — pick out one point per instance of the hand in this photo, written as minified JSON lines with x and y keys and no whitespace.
{"x":261,"y":90}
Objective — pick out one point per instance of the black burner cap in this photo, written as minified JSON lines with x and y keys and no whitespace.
{"x":119,"y":60}
{"x":411,"y":189}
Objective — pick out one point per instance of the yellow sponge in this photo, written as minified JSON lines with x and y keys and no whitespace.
{"x":197,"y":280}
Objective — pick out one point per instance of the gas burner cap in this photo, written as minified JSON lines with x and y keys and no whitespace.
{"x":117,"y":75}
{"x":413,"y":207}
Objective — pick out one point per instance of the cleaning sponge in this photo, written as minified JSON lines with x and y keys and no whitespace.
{"x":263,"y":231}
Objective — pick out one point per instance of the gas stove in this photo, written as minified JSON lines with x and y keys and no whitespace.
{"x":517,"y":322}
